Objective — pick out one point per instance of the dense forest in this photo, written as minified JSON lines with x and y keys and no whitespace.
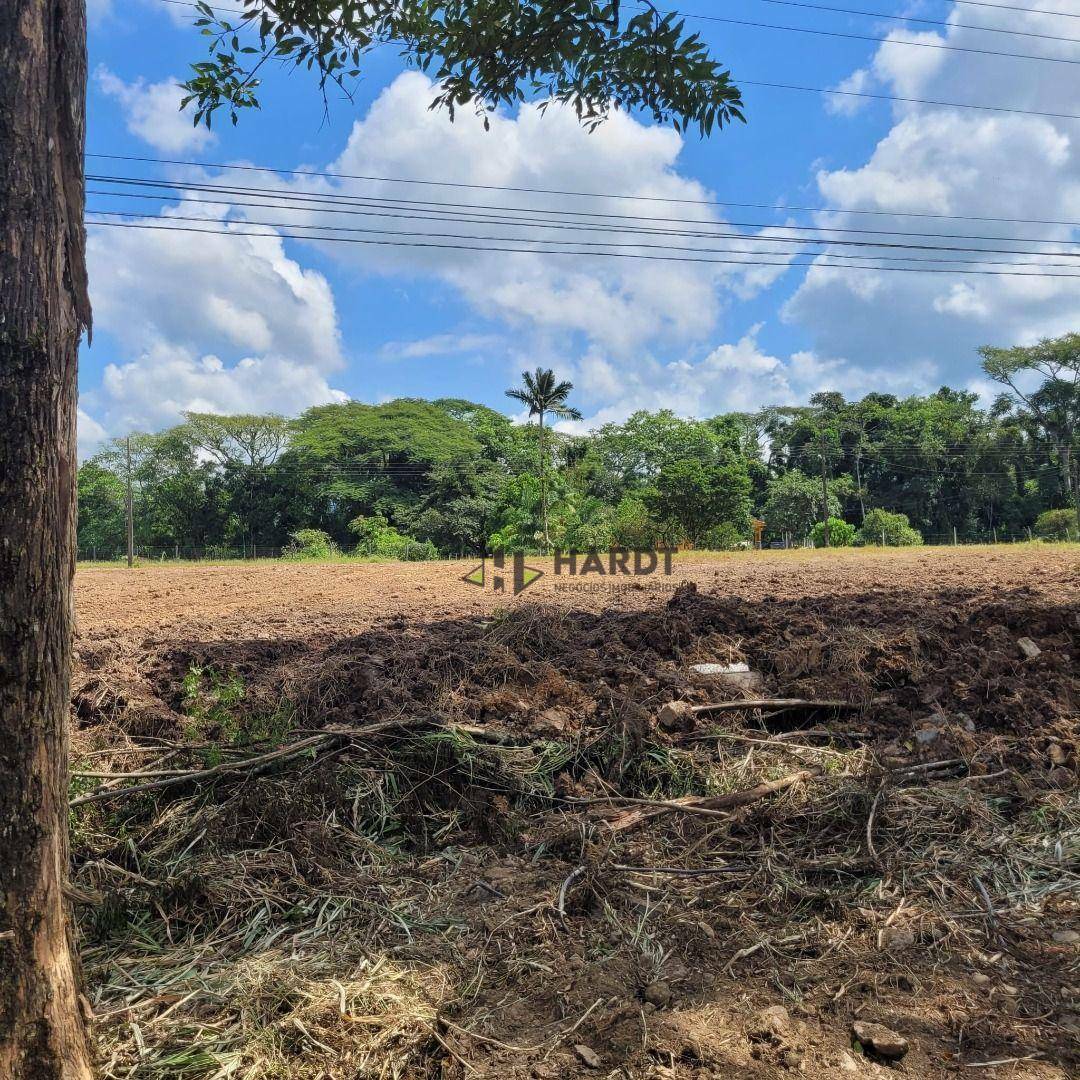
{"x":420,"y":479}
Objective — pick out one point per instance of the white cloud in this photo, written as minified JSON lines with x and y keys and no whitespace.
{"x":206,"y":292}
{"x":212,"y":323}
{"x":441,"y":345}
{"x":962,"y":300}
{"x":620,"y":305}
{"x":858,"y":82}
{"x":153,"y":390}
{"x":152,"y":112}
{"x":909,"y":67}
{"x":941,"y":161}
{"x":90,"y":434}
{"x":740,"y":376}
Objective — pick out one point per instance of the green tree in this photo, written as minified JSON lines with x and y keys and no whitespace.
{"x":892,"y":530}
{"x":1055,"y":405}
{"x":811,"y":437}
{"x":840,"y":533}
{"x":246,"y":448}
{"x":691,"y":498}
{"x":518,"y":527}
{"x":458,"y":507}
{"x":175,"y":497}
{"x":543,"y":396}
{"x":793,"y":504}
{"x":629,"y":456}
{"x":378,"y":459}
{"x":1058,"y":525}
{"x":102,"y":511}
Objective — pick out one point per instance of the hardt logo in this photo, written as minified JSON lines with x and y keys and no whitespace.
{"x":614,"y":563}
{"x":522,"y":576}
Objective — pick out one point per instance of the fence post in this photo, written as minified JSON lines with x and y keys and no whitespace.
{"x":882,"y":537}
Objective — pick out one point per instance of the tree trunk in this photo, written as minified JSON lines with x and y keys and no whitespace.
{"x":543,"y":486}
{"x":43,"y":310}
{"x":858,"y":484}
{"x":1072,"y":491}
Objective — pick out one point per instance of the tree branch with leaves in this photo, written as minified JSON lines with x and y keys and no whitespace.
{"x":587,"y":54}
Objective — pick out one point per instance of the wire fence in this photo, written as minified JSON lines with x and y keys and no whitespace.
{"x":178,"y":553}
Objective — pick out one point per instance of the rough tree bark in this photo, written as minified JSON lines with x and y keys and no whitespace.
{"x":43,"y":310}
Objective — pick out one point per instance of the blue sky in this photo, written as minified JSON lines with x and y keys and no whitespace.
{"x":230,"y":323}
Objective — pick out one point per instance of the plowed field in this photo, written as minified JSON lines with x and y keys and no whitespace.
{"x":353,"y":820}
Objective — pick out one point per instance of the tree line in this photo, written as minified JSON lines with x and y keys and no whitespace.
{"x":413,"y":478}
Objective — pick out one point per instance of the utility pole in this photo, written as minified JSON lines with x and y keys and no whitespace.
{"x":824,"y":490}
{"x":130,"y":511}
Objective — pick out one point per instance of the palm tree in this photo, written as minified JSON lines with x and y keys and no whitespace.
{"x":543,"y":396}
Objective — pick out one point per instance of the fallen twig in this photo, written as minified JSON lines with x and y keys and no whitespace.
{"x":870,"y":823}
{"x":708,"y":804}
{"x":564,"y":891}
{"x":779,"y":703}
{"x":676,"y":871}
{"x":1002,"y":1061}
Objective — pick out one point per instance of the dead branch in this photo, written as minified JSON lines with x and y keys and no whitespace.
{"x":709,"y":805}
{"x":564,"y":890}
{"x":779,"y":703}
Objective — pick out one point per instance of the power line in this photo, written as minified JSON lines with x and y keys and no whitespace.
{"x":889,"y":41}
{"x":1016,"y":7}
{"x":395,"y":204}
{"x":913,"y":18}
{"x":577,"y":253}
{"x":912,"y":100}
{"x":780,"y":207}
{"x":800,"y":246}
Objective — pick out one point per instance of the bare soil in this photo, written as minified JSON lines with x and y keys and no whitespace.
{"x":500,"y":880}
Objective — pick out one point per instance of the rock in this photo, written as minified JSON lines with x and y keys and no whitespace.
{"x":658,"y":994}
{"x":721,"y":669}
{"x":770,"y":1025}
{"x":1056,"y":753}
{"x":1065,"y":937}
{"x":927,"y":735}
{"x":677,"y":716}
{"x":880,"y":1040}
{"x":1028,"y":648}
{"x":791,"y":1059}
{"x":553,"y":721}
{"x":980,"y":979}
{"x":847,"y":1063}
{"x":737,"y":676}
{"x":588,"y":1055}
